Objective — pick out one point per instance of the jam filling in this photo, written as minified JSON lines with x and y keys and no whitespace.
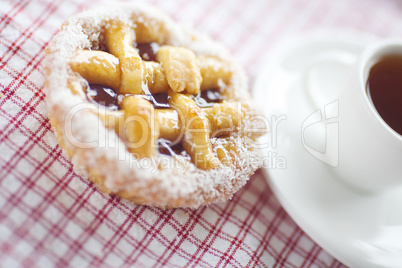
{"x":207,"y":98}
{"x":104,"y":96}
{"x":108,"y":98}
{"x":168,"y":148}
{"x":147,"y":51}
{"x":159,"y":101}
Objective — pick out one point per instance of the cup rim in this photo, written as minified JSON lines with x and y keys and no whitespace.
{"x":366,"y":60}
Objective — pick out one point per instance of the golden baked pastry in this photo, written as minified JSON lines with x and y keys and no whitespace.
{"x":151,"y":111}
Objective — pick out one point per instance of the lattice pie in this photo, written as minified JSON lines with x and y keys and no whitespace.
{"x":151,"y":111}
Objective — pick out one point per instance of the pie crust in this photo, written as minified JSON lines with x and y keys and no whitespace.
{"x":120,"y":150}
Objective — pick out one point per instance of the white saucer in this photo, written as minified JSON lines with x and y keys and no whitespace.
{"x":360,"y":230}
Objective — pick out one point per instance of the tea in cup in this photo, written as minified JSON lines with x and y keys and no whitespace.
{"x":370,"y":117}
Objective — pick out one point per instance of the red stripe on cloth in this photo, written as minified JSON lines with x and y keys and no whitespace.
{"x":27,"y":33}
{"x":245,"y":228}
{"x":7,"y":18}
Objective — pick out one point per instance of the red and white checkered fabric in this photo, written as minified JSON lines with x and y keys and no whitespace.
{"x":52,"y":217}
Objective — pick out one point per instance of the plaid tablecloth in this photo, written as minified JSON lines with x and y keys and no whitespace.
{"x":52,"y":217}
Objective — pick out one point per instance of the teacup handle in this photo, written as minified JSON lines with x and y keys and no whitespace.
{"x":338,"y":60}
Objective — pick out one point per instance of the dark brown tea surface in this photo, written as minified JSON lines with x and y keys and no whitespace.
{"x":384,"y":88}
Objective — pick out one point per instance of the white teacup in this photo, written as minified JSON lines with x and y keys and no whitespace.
{"x":370,"y":151}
